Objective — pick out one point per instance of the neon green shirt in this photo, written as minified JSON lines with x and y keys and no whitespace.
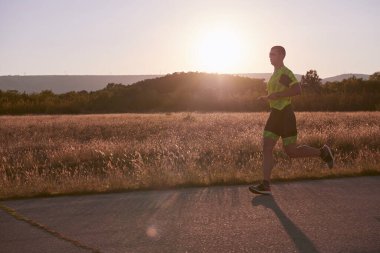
{"x":281,"y":79}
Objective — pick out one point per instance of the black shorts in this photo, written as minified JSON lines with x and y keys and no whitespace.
{"x":282,"y":123}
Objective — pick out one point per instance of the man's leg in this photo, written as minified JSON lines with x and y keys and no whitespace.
{"x":270,"y":139}
{"x":324,"y":153}
{"x":289,"y":142}
{"x":295,"y":151}
{"x":268,"y":162}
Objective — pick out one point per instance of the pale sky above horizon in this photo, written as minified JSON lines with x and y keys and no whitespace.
{"x":98,"y":37}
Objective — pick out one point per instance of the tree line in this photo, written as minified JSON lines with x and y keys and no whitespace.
{"x":194,"y":91}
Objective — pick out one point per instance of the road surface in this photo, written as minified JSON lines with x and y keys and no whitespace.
{"x":336,"y":215}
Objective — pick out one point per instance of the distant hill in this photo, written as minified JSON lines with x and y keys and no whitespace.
{"x":191,"y":91}
{"x":65,"y":83}
{"x":264,"y":76}
{"x":337,"y":78}
{"x":345,"y":76}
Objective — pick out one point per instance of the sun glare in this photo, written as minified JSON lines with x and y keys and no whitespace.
{"x":219,"y":51}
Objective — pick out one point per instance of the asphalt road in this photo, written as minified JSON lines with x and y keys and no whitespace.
{"x":339,"y":215}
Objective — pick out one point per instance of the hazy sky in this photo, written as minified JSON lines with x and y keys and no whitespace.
{"x":39,"y":37}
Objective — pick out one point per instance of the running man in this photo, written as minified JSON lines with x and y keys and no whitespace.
{"x":282,"y":122}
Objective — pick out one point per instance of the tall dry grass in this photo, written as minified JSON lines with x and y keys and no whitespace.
{"x":42,"y":155}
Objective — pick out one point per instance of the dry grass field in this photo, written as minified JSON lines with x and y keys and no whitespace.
{"x":48,"y":155}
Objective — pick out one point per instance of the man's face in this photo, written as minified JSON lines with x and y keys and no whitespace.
{"x":275,"y":57}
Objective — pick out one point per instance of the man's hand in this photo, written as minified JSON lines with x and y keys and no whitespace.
{"x":263,"y":98}
{"x":274,"y":96}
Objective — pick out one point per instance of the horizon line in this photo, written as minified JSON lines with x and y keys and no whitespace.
{"x":245,"y":73}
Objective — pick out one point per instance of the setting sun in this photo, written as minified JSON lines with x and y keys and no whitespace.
{"x":219,"y":50}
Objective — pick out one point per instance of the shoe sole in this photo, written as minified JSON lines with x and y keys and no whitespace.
{"x":259,"y":192}
{"x":330,"y":163}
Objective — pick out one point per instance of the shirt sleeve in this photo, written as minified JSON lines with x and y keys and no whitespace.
{"x":292,"y":78}
{"x":288,"y":79}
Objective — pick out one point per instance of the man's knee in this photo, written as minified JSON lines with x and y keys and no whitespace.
{"x":291,"y":151}
{"x":268,"y":145}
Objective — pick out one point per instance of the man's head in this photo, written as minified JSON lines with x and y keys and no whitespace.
{"x":277,"y":55}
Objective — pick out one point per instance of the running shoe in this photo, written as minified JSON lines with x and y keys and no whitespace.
{"x":260,"y":189}
{"x":327,"y":156}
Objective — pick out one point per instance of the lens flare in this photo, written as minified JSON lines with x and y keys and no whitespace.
{"x":152,"y":232}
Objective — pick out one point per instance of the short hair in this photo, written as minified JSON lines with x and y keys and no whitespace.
{"x":280,"y":49}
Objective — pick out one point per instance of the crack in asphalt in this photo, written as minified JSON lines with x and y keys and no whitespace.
{"x":12,"y":212}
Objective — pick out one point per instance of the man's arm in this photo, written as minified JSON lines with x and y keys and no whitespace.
{"x":292,"y":91}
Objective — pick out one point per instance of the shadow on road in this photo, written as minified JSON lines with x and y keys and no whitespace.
{"x":301,"y":241}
